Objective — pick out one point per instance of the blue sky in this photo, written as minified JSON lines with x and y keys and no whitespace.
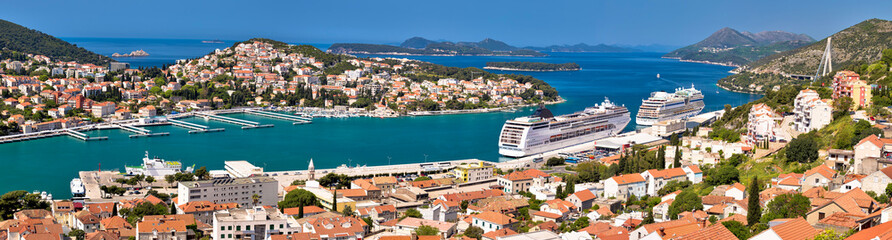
{"x":520,"y":23}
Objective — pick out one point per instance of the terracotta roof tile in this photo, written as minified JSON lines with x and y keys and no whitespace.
{"x":796,"y":229}
{"x":716,"y":231}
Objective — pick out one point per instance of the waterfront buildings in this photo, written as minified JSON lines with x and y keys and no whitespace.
{"x":760,"y":125}
{"x":849,"y":84}
{"x":230,"y":190}
{"x":473,"y":172}
{"x":810,"y":112}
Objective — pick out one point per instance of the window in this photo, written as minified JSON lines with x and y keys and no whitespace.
{"x":238,"y":228}
{"x":222,"y":235}
{"x":248,"y":228}
{"x":820,"y":215}
{"x":281,"y":226}
{"x":271,"y":227}
{"x":230,"y":227}
{"x":228,"y":235}
{"x":223,"y":228}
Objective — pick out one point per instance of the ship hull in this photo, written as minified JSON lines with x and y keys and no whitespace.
{"x":599,"y":130}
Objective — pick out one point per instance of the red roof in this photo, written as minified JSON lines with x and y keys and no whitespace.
{"x":796,"y":229}
{"x":628,"y":178}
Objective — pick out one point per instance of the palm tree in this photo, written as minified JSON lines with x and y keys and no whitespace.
{"x":255,"y":198}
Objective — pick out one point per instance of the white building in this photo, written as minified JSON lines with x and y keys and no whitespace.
{"x":230,"y":190}
{"x":624,"y":186}
{"x":254,"y":223}
{"x":761,"y":124}
{"x":810,"y":111}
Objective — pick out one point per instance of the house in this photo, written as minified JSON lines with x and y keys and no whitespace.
{"x":872,"y":154}
{"x":659,"y":230}
{"x":161,"y":229}
{"x":117,"y":225}
{"x":853,"y":202}
{"x":851,"y":182}
{"x":601,"y":213}
{"x":656,"y":179}
{"x":558,"y":206}
{"x":838,"y":159}
{"x":441,"y":210}
{"x":695,"y":175}
{"x":790,"y":229}
{"x":624,"y":186}
{"x":661,"y":210}
{"x":327,"y":227}
{"x":308,"y":211}
{"x":760,"y":125}
{"x":471,"y":197}
{"x":738,"y":207}
{"x":849,"y":84}
{"x":545,"y":217}
{"x":252,"y":223}
{"x":473,"y":172}
{"x":877,"y":181}
{"x":714,"y":232}
{"x":520,"y":181}
{"x":409,"y":225}
{"x":819,"y":176}
{"x":498,"y":234}
{"x":736,"y":191}
{"x":203,"y":211}
{"x":582,"y":199}
{"x":86,"y":221}
{"x":492,"y":221}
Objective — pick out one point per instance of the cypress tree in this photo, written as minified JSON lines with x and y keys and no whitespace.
{"x":300,"y":212}
{"x":754,"y":213}
{"x":677,"y":162}
{"x":334,"y":201}
{"x":560,"y":192}
{"x":661,"y":158}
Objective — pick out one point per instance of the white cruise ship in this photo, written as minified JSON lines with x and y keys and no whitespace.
{"x":662,"y":106}
{"x":155,"y":167}
{"x":544,"y":132}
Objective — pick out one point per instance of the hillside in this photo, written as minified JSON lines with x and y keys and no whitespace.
{"x":731,"y":47}
{"x":14,"y":37}
{"x":861,"y":43}
{"x":416,"y":43}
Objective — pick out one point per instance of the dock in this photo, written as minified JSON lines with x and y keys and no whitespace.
{"x":196,"y":128}
{"x":245,"y":123}
{"x":294,"y":119}
{"x":82,"y":136}
{"x":140,"y":132}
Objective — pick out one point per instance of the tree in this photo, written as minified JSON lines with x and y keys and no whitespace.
{"x":685,"y":201}
{"x":297,"y":198}
{"x":474,"y":232}
{"x":348,"y":211}
{"x":677,"y":162}
{"x":464,"y":205}
{"x":842,"y":105}
{"x":738,"y":229}
{"x":831,"y":234}
{"x":334,"y":201}
{"x":674,"y":140}
{"x":580,"y":223}
{"x":754,"y":212}
{"x":425,"y":230}
{"x":414,"y":213}
{"x":15,"y":201}
{"x":202,"y":173}
{"x":77,"y":234}
{"x":648,"y":219}
{"x":422,"y":178}
{"x":255,"y":199}
{"x":554,"y":161}
{"x":661,"y":158}
{"x":787,"y":206}
{"x":560,"y":192}
{"x":150,"y":180}
{"x":724,"y":174}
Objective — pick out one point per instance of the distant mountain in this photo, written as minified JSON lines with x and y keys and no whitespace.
{"x":731,"y":47}
{"x":491,"y":44}
{"x":582,"y":47}
{"x":416,"y":43}
{"x":14,"y":37}
{"x":861,"y":43}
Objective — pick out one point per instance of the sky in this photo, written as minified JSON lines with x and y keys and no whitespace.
{"x":519,"y":23}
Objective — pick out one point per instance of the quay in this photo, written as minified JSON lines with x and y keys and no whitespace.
{"x":295,"y":119}
{"x":245,"y":123}
{"x":82,"y":136}
{"x":139,"y":132}
{"x":196,"y":128}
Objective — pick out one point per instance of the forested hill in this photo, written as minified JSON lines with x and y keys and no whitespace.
{"x":861,"y":43}
{"x":16,"y":38}
{"x":731,"y":47}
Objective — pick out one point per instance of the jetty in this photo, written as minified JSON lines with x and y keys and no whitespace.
{"x":294,"y":119}
{"x":196,"y":128}
{"x":140,"y":132}
{"x":245,"y":123}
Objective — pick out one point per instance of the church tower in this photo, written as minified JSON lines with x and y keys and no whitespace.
{"x":312,"y":170}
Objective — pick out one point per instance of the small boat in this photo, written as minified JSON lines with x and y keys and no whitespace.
{"x":658,"y":75}
{"x":212,"y":41}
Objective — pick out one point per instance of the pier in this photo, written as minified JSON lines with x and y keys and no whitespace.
{"x":140,"y":132}
{"x":82,"y":136}
{"x":245,"y":123}
{"x":295,"y":119}
{"x":196,"y":128}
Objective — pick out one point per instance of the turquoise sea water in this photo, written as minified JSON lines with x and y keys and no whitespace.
{"x":626,"y":78}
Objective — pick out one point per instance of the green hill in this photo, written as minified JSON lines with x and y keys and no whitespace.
{"x":730,"y":47}
{"x":16,"y":38}
{"x":861,"y":43}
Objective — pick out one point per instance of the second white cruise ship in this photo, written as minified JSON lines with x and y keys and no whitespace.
{"x":662,"y":106}
{"x":544,"y":132}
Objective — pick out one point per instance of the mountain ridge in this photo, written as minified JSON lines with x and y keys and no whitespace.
{"x":18,"y":38}
{"x":728,"y":46}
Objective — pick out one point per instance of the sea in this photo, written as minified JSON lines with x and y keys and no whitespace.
{"x":625,"y":78}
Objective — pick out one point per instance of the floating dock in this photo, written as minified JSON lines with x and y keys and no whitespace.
{"x":245,"y":123}
{"x":295,"y":119}
{"x":196,"y":128}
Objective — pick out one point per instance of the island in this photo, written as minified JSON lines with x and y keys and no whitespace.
{"x":532,"y":66}
{"x":137,"y":53}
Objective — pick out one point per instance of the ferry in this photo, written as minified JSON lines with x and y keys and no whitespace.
{"x":155,"y":167}
{"x":542,"y":132}
{"x":77,"y":188}
{"x":662,"y":106}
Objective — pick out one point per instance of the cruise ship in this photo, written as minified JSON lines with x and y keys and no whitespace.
{"x":155,"y":167}
{"x":662,"y":106}
{"x":542,"y":132}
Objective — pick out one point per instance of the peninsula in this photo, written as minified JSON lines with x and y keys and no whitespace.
{"x":532,"y":66}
